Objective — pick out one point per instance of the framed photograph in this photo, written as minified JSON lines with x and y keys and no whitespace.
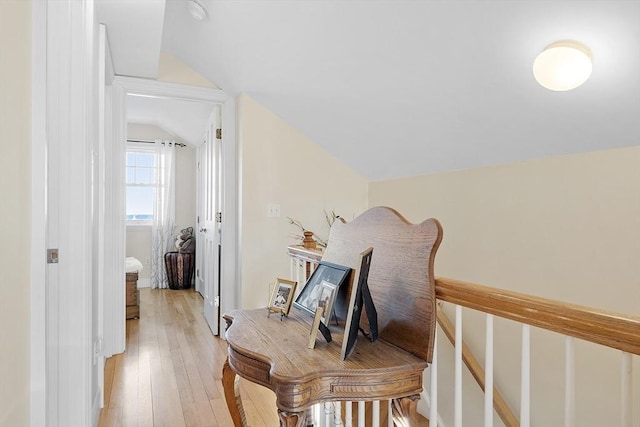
{"x":282,"y":296}
{"x":323,"y":285}
{"x":327,"y":298}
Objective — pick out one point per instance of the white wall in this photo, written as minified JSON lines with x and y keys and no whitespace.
{"x":280,"y":165}
{"x":139,"y":237}
{"x":565,"y":228}
{"x":15,"y":183}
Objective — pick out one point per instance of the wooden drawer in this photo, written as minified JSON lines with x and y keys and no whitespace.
{"x":132,"y":312}
{"x":132,"y":296}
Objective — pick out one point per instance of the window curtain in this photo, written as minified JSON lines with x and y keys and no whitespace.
{"x":164,"y":212}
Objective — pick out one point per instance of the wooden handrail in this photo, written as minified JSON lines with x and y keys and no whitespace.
{"x":499,"y":404}
{"x":611,"y":329}
{"x":615,"y":330}
{"x":607,"y":328}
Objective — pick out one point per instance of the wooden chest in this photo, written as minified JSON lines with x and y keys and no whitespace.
{"x":132,"y":297}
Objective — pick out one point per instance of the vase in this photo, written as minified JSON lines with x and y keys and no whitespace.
{"x":308,"y":241}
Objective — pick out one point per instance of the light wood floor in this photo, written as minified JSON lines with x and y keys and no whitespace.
{"x":170,"y":373}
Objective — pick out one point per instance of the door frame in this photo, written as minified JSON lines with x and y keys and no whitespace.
{"x":61,"y":344}
{"x":123,"y":86}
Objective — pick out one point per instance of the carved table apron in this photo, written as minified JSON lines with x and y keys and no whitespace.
{"x":274,"y":353}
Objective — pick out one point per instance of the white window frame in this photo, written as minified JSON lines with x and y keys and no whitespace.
{"x":144,"y":148}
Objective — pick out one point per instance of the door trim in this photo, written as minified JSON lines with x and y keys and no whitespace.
{"x":229,"y":268}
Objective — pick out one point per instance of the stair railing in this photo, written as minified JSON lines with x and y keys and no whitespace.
{"x":615,"y":330}
{"x":478,"y":372}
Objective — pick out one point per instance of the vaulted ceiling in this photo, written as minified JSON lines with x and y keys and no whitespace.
{"x":399,"y":88}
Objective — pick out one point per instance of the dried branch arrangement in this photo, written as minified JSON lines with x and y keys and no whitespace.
{"x":329,"y":216}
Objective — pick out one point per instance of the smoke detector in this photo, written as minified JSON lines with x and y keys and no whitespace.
{"x":196,"y":10}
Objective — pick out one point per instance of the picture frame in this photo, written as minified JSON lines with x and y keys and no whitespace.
{"x":315,"y":326}
{"x":360,"y":299}
{"x":326,"y":275}
{"x":326,"y":300}
{"x":282,"y":296}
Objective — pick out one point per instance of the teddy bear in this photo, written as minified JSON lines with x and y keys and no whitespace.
{"x":186,"y":242}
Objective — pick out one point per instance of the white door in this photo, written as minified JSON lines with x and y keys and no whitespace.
{"x":200,"y":202}
{"x":208,"y":266}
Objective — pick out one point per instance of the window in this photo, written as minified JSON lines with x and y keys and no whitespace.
{"x":141,"y":171}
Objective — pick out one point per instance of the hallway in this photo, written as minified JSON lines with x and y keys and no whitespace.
{"x":170,"y":373}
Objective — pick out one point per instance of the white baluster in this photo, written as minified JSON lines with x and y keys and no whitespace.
{"x":348,"y":414}
{"x":626,"y":371}
{"x":569,"y":383}
{"x":337,"y":414}
{"x":292,"y":268}
{"x":375,"y":413}
{"x":433,"y":386}
{"x":525,"y":376}
{"x":360,"y":414}
{"x":457,"y":419}
{"x":327,"y":414}
{"x":389,"y":414}
{"x":317,"y":419}
{"x":488,"y":373}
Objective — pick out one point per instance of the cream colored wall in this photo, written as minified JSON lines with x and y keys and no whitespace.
{"x":146,"y":132}
{"x":15,"y":181}
{"x":139,"y":245}
{"x":171,"y":69}
{"x":139,"y":237}
{"x":280,"y":165}
{"x":565,"y":228}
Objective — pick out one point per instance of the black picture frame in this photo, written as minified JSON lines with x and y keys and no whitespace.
{"x":360,"y":298}
{"x":327,"y":272}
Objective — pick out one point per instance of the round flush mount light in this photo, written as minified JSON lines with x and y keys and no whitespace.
{"x":563,"y":65}
{"x":196,"y":10}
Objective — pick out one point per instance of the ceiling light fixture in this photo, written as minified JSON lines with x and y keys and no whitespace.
{"x":196,"y":10}
{"x":563,"y":65}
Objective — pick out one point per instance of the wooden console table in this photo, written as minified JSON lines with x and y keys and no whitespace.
{"x":274,"y":353}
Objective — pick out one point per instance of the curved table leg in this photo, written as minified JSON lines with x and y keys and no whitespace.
{"x":232,"y":395}
{"x":292,"y":419}
{"x":404,"y":410}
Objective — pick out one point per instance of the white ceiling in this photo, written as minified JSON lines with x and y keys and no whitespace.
{"x":185,"y":120}
{"x":399,"y":88}
{"x":134,"y":30}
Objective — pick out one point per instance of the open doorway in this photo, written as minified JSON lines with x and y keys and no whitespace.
{"x":129,"y":95}
{"x":152,"y":121}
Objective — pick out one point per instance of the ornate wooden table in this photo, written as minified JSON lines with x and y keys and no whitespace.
{"x":274,"y":353}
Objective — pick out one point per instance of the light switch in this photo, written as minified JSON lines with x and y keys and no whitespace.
{"x":273,"y":210}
